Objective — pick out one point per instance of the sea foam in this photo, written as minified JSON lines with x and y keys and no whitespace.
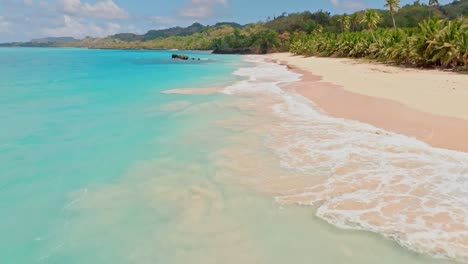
{"x":371,"y":179}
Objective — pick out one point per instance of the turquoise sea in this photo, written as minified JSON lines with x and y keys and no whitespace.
{"x":75,"y":118}
{"x":97,"y":165}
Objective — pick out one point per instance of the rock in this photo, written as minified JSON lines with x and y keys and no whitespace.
{"x":179,"y":57}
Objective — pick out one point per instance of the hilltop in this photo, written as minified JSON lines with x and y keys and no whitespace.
{"x":53,"y":40}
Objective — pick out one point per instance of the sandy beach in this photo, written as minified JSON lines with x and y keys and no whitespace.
{"x":429,"y":105}
{"x":349,"y":155}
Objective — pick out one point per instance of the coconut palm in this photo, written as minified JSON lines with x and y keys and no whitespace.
{"x":345,"y":22}
{"x":446,"y":42}
{"x":442,"y":43}
{"x":371,"y":18}
{"x":355,"y":19}
{"x":393,"y":6}
{"x":318,"y":29}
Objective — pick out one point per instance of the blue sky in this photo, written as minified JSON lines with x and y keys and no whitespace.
{"x":22,"y":20}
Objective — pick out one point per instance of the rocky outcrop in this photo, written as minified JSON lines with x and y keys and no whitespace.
{"x":182,"y":57}
{"x":179,"y":57}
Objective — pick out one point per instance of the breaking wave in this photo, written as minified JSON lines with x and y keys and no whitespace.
{"x":368,"y":178}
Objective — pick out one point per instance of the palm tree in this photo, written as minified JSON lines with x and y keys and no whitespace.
{"x":318,"y":29}
{"x":355,"y":19}
{"x":435,"y":43}
{"x":445,"y":42}
{"x":393,"y":6}
{"x":345,"y":22}
{"x":433,"y":2}
{"x":371,"y":19}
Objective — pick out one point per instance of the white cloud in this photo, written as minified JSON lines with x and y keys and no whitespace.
{"x":4,"y":25}
{"x":105,"y":9}
{"x":348,"y":4}
{"x":202,"y":8}
{"x":78,"y":28}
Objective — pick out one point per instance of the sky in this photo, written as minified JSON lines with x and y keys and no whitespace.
{"x":23,"y":20}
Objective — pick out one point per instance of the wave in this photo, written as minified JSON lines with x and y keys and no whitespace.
{"x":368,"y":178}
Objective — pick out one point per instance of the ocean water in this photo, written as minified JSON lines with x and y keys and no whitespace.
{"x":99,"y":165}
{"x":74,"y":118}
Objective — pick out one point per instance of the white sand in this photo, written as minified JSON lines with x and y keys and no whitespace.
{"x":431,"y":91}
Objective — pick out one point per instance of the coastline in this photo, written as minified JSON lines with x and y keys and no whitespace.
{"x":352,"y":174}
{"x":426,"y":104}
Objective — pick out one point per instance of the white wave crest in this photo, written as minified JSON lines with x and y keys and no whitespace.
{"x":373,"y":179}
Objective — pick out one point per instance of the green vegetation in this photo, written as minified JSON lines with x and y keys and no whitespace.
{"x":175,"y":39}
{"x":255,"y":40}
{"x":371,"y":19}
{"x":435,"y":42}
{"x":393,"y":6}
{"x":421,"y":34}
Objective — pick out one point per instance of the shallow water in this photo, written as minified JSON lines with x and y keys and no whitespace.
{"x":99,"y":166}
{"x":363,"y":177}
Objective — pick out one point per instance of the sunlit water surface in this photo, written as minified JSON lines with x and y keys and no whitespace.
{"x":98,"y":166}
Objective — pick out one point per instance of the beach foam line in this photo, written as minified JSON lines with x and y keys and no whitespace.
{"x":200,"y":91}
{"x":369,"y":179}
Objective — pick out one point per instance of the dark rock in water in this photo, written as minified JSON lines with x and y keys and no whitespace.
{"x":183,"y":57}
{"x":179,"y":57}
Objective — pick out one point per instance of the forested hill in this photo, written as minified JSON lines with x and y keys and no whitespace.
{"x":170,"y":32}
{"x":408,"y":16}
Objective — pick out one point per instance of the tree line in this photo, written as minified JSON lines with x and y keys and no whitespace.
{"x":427,"y":38}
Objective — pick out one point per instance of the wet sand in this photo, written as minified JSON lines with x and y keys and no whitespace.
{"x":439,"y":130}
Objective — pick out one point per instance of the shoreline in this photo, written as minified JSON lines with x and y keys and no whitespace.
{"x":354,"y":175}
{"x":445,"y":126}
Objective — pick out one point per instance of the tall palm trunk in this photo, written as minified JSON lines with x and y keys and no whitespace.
{"x":393,"y":19}
{"x":373,"y":36}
